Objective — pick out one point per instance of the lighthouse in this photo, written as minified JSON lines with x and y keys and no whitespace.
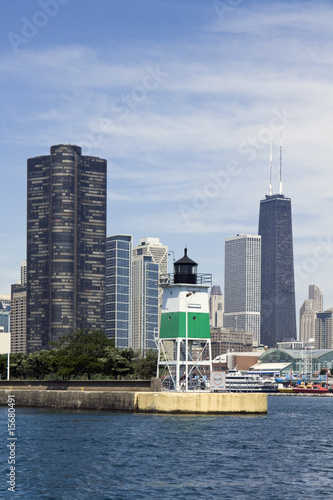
{"x":184,"y":347}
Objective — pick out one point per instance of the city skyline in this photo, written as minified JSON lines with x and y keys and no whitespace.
{"x":164,"y":101}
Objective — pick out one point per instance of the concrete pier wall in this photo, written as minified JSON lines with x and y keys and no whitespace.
{"x":142,"y":402}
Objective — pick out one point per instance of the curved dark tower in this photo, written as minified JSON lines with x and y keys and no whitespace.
{"x":278,"y":316}
{"x":66,"y":238}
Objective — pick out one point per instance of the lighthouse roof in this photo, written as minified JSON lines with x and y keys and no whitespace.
{"x":185,"y":259}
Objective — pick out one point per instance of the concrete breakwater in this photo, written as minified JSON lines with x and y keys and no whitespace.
{"x":141,"y":402}
{"x":152,"y":385}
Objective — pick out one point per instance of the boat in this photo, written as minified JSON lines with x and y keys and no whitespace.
{"x":310,"y":388}
{"x":285,"y":389}
{"x":236,"y":381}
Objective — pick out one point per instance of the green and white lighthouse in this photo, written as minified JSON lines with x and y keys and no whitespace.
{"x":184,"y":347}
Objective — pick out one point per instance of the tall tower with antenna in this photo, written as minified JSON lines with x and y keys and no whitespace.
{"x":278,"y":314}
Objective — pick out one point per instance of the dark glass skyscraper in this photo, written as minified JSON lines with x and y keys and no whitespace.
{"x":278,"y":316}
{"x":66,"y":238}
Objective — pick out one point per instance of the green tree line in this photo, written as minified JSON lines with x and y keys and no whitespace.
{"x":82,"y":354}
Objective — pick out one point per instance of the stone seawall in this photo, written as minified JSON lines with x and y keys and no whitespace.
{"x":152,"y":385}
{"x":142,"y":402}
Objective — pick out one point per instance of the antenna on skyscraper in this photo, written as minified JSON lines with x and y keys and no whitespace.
{"x":270,"y":170}
{"x":280,"y":169}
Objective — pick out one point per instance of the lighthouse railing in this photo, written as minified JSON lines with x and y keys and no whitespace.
{"x":201,"y":279}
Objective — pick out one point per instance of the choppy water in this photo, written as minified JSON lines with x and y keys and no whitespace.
{"x":287,"y":454}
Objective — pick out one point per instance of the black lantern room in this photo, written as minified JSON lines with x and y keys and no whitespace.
{"x":185,"y":270}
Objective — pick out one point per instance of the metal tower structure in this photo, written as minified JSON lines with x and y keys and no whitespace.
{"x":184,"y":344}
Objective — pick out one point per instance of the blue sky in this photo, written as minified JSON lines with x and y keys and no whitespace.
{"x":183,"y":99}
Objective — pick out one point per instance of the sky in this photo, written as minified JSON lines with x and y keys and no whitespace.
{"x":182,"y":98}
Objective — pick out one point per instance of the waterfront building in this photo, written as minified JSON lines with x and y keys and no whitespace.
{"x":242,"y":284}
{"x":66,"y":239}
{"x":278,"y":316}
{"x":118,"y":307}
{"x":216,"y":307}
{"x":292,"y":360}
{"x":308,"y":314}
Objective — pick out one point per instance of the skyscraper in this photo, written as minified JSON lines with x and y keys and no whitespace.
{"x":216,"y":307}
{"x":317,"y":297}
{"x":324,"y":330}
{"x":242,"y":284}
{"x":18,"y":319}
{"x":308,"y":314}
{"x":149,"y":265}
{"x":278,"y":316}
{"x":66,"y":238}
{"x":119,"y":289}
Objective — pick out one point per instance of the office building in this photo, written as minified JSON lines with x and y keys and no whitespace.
{"x":242,"y":284}
{"x":18,"y":319}
{"x":216,"y":307}
{"x":229,"y":340}
{"x":5,"y":320}
{"x":149,"y":265}
{"x":324,"y":330}
{"x":308,"y":314}
{"x":118,"y":308}
{"x":317,"y":298}
{"x":66,"y":239}
{"x":278,"y":315}
{"x":24,"y":273}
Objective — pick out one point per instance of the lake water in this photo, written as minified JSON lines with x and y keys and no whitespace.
{"x":60,"y":454}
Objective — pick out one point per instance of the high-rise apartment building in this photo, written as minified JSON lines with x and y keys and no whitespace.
{"x":278,"y":315}
{"x":118,"y":309}
{"x":216,"y":307}
{"x":66,"y":239}
{"x":308,"y":314}
{"x":149,"y":265}
{"x":324,"y":330}
{"x":18,"y":319}
{"x":24,"y":273}
{"x":242,"y":284}
{"x":317,"y":298}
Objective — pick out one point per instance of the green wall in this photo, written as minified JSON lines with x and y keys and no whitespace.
{"x":173,"y":325}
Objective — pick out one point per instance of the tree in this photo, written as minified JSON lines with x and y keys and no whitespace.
{"x":37,"y":364}
{"x":79,"y":353}
{"x":145,"y":368}
{"x":18,"y":367}
{"x":3,"y":366}
{"x":118,"y":362}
